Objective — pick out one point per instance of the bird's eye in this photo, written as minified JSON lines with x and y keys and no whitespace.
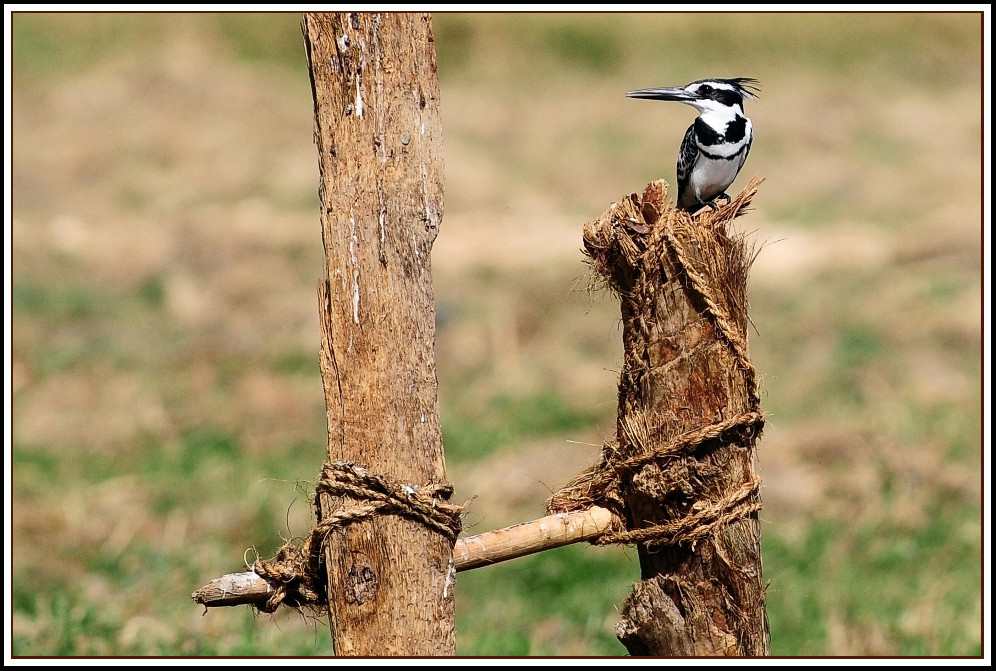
{"x":705,"y":88}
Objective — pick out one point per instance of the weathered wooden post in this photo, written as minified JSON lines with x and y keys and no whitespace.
{"x":680,"y":474}
{"x":390,"y":577}
{"x":679,"y":480}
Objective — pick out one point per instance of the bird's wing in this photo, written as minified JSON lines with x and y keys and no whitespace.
{"x":743,"y":156}
{"x":686,"y":161}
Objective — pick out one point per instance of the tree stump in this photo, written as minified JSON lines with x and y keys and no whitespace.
{"x":680,"y":474}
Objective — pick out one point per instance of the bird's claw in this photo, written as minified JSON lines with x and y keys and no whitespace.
{"x":712,"y":204}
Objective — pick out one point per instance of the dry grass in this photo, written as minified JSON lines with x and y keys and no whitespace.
{"x":165,"y":252}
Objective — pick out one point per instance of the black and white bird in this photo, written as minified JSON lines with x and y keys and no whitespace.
{"x":716,"y":144}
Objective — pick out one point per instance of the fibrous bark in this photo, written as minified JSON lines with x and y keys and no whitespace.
{"x":681,"y":472}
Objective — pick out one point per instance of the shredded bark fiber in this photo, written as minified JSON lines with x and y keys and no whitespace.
{"x":680,"y":474}
{"x":634,"y":249}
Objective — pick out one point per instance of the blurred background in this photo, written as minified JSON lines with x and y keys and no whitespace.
{"x":167,"y":409}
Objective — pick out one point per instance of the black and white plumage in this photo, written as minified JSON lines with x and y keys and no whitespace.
{"x":716,"y":144}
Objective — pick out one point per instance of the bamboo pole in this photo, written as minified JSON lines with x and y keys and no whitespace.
{"x":490,"y":547}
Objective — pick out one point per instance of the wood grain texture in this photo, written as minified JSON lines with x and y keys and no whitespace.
{"x":378,"y":133}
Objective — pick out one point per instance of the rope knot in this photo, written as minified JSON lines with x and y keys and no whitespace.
{"x":298,"y":570}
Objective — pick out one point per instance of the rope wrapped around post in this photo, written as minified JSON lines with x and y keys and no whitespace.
{"x":600,"y":485}
{"x":298,"y":569}
{"x":636,"y":247}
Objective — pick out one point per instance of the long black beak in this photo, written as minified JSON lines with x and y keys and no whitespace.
{"x":662,"y":93}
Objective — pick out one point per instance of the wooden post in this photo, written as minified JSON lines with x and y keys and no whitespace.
{"x":683,"y":461}
{"x":389,"y":579}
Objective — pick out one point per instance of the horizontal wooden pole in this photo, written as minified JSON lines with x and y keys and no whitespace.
{"x":519,"y":540}
{"x":491,"y":547}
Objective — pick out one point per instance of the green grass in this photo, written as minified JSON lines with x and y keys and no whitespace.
{"x":65,"y":303}
{"x":818,"y":584}
{"x":572,"y":594}
{"x":472,"y":432}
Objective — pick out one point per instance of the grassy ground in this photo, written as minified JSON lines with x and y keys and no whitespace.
{"x":166,"y":407}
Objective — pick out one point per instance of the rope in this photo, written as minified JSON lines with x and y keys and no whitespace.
{"x":694,"y":527}
{"x":720,"y":317}
{"x":297,"y":569}
{"x":628,"y":247}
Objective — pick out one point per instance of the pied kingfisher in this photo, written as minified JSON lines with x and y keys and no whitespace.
{"x":716,"y":144}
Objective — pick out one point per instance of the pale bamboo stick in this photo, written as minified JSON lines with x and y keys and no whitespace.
{"x":490,"y":547}
{"x":519,"y":540}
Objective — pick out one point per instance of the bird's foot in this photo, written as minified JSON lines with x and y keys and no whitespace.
{"x":715,"y":206}
{"x":701,"y":207}
{"x":711,"y":204}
